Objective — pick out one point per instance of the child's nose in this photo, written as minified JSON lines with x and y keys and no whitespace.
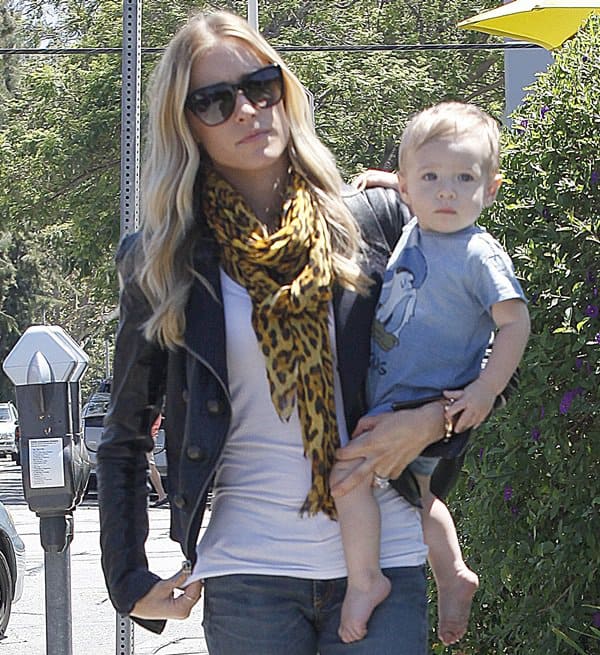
{"x":446,"y":192}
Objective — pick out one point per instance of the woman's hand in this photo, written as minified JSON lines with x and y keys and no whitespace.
{"x":388,"y":442}
{"x":162,"y":603}
{"x":374,"y":177}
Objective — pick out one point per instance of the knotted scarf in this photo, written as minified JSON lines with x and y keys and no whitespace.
{"x":288,"y":275}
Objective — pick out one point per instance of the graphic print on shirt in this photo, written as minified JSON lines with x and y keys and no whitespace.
{"x":398,"y":297}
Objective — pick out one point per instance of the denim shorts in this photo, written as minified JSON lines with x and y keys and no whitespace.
{"x":277,"y":615}
{"x":424,"y":466}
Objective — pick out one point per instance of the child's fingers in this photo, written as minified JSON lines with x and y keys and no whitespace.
{"x":453,"y":394}
{"x":365,"y":424}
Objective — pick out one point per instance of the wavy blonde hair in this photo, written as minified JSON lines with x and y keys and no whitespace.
{"x":172,"y":164}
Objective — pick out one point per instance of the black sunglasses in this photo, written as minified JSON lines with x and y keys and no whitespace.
{"x":214,"y":104}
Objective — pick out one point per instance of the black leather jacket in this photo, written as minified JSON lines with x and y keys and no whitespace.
{"x":193,"y":381}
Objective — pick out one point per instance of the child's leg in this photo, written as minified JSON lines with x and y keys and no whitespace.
{"x":456,"y":583}
{"x":358,"y":515}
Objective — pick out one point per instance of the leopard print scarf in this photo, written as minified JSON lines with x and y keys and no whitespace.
{"x":288,"y":276}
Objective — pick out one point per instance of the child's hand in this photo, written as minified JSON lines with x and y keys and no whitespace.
{"x":472,"y":405}
{"x":374,"y":177}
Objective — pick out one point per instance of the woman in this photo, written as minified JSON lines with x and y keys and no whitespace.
{"x":247,"y":299}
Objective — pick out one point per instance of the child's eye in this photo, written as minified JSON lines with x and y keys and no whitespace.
{"x":429,"y":177}
{"x":465,"y":177}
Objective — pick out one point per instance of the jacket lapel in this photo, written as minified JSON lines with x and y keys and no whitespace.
{"x":205,"y":319}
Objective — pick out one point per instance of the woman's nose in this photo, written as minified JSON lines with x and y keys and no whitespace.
{"x":243,"y":106}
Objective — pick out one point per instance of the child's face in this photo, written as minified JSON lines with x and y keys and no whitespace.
{"x":446,"y":183}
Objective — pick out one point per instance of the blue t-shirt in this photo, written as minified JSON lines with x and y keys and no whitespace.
{"x":433,"y":321}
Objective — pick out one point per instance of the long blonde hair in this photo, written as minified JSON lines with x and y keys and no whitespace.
{"x":172,"y":161}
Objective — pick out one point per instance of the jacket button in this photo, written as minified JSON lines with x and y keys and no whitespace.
{"x":214,"y":406}
{"x":179,"y":501}
{"x":195,"y":453}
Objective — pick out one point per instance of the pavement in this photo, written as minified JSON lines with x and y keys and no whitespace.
{"x":94,"y":620}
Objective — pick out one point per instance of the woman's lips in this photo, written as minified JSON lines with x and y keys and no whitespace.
{"x":254,"y":136}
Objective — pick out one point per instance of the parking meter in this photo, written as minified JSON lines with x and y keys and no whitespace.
{"x":46,"y":366}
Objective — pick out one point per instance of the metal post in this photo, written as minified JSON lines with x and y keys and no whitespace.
{"x":130,"y":115}
{"x":125,"y":636}
{"x":57,"y":568}
{"x":130,"y":175}
{"x":253,"y":13}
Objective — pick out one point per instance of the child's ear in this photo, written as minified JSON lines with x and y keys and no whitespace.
{"x":492,"y":190}
{"x":402,"y":188}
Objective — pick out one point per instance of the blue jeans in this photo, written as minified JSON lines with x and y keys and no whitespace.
{"x":276,"y":615}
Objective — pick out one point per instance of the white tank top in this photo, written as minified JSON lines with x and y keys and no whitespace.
{"x":263,"y":477}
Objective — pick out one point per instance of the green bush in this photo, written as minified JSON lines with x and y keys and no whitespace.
{"x":528,"y":506}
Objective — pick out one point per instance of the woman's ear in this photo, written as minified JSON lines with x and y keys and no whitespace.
{"x":492,"y":190}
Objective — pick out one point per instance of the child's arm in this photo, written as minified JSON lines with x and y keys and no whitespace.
{"x":375,"y":177}
{"x":476,"y":400}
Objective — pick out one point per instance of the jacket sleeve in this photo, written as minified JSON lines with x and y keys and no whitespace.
{"x":136,"y":394}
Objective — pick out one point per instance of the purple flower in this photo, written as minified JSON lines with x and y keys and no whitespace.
{"x":546,"y":213}
{"x":594,"y":177}
{"x":514,"y":511}
{"x":544,"y":110}
{"x":590,"y":277}
{"x":536,"y":434}
{"x":595,"y":292}
{"x":542,"y":411}
{"x":480,"y":453}
{"x":568,"y":398}
{"x":592,"y":311}
{"x":524,"y":123}
{"x":596,"y":619}
{"x":508,"y":493}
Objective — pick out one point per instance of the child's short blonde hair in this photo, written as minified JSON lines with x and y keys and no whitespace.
{"x":451,"y":119}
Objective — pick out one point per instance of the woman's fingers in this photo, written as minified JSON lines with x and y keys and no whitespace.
{"x":162,"y":602}
{"x":355,"y":476}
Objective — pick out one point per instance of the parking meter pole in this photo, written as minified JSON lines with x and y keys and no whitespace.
{"x":56,"y":534}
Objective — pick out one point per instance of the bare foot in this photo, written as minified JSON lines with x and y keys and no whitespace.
{"x":454,"y":605}
{"x":358,"y":605}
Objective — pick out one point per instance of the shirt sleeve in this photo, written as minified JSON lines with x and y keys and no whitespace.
{"x":492,"y":274}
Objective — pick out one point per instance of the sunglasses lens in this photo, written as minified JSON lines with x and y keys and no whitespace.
{"x":264,"y":88}
{"x":214,"y":104}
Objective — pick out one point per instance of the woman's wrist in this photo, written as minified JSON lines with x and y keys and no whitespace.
{"x":432,"y":422}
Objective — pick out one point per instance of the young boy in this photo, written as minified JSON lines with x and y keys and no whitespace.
{"x":447,"y":287}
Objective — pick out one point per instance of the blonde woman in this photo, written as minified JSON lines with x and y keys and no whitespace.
{"x":246,"y":301}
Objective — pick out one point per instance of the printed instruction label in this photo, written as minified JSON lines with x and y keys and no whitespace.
{"x":46,"y":467}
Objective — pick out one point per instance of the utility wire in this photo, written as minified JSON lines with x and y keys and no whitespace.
{"x":397,"y":47}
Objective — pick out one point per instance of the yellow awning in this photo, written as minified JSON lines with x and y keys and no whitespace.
{"x":547,"y":23}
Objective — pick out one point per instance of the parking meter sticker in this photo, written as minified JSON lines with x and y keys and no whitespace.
{"x":46,"y":463}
